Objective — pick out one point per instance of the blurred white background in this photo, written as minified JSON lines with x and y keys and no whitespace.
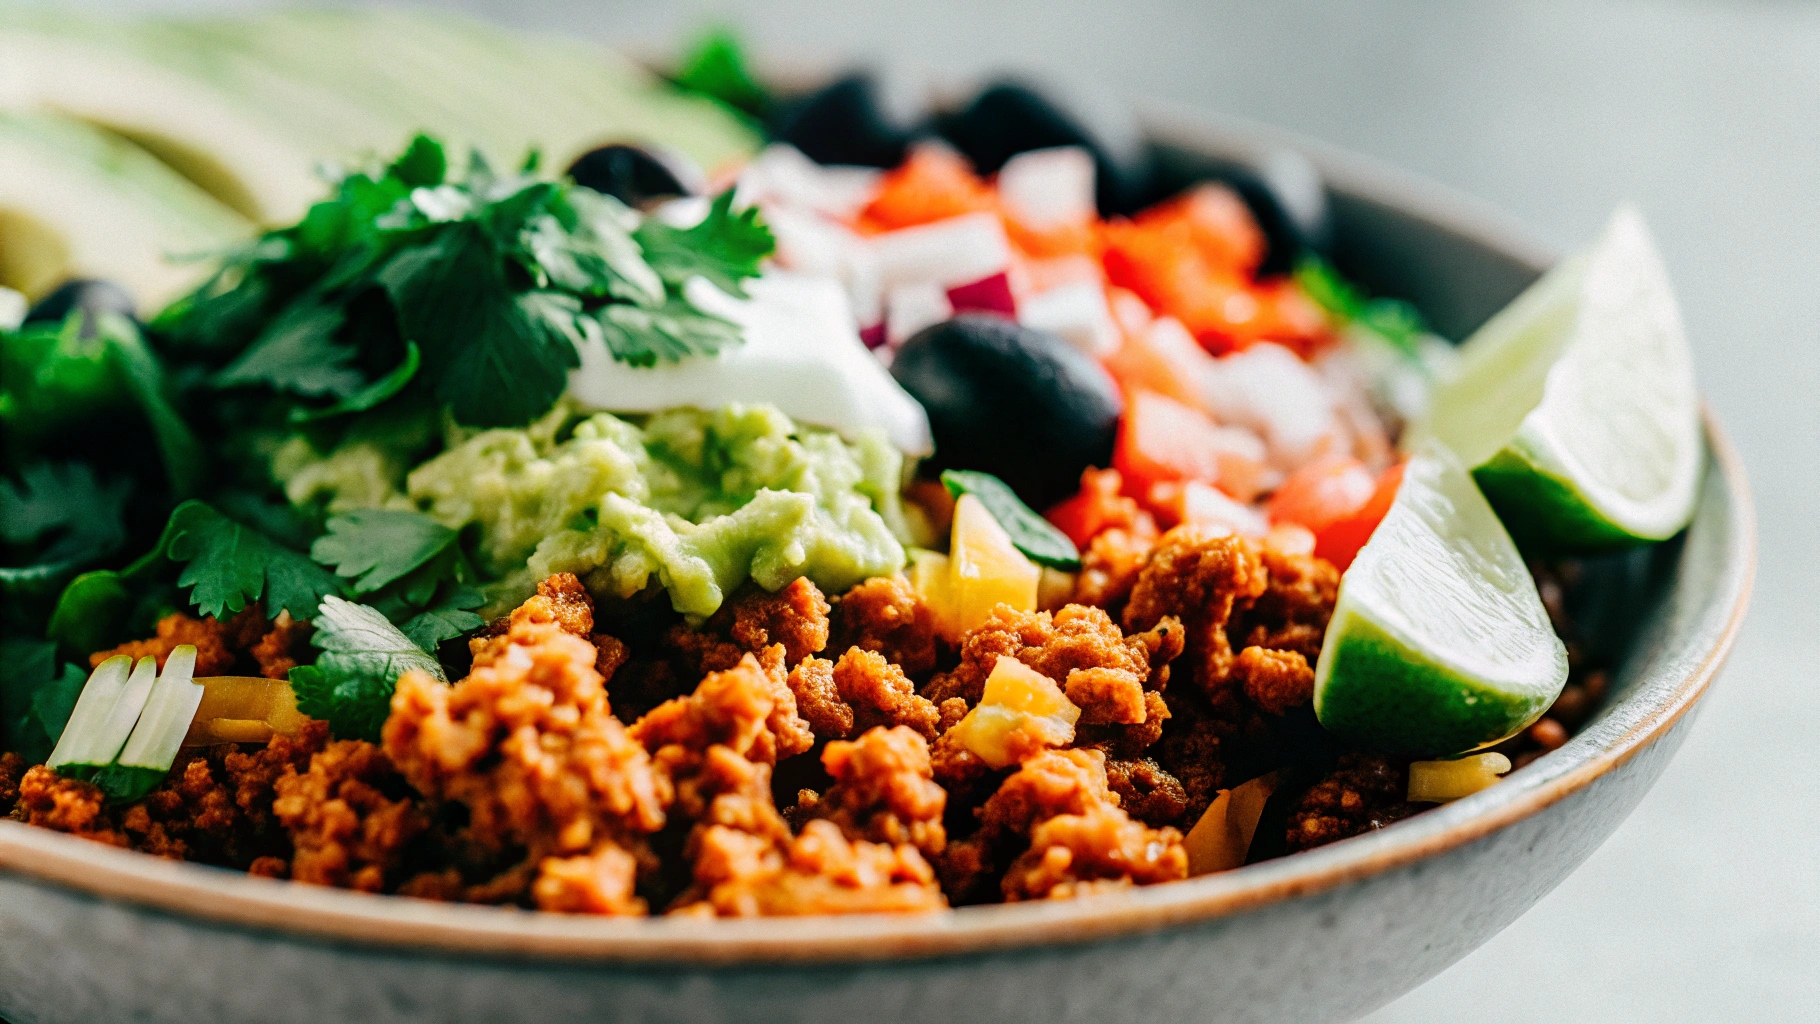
{"x":1706,"y":904}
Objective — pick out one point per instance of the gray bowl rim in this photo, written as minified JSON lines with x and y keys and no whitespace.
{"x":322,"y":914}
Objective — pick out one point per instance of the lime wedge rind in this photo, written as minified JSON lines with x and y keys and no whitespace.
{"x":1576,"y":404}
{"x":1397,"y":702}
{"x":1439,"y":642}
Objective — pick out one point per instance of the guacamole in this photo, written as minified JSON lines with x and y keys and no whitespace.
{"x":702,"y":500}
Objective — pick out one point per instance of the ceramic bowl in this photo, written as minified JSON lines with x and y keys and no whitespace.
{"x":95,"y":935}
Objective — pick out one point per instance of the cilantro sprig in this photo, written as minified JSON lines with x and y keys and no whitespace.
{"x":408,"y":567}
{"x":229,"y":565}
{"x":1394,"y":320}
{"x":363,"y":654}
{"x":474,"y":292}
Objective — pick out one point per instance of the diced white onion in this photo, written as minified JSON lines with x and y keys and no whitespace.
{"x":1048,"y":188}
{"x":948,"y":252}
{"x":783,"y":176}
{"x":911,"y":307}
{"x":1271,"y":390}
{"x":1077,"y":312}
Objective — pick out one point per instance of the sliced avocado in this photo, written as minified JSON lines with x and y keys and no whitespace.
{"x":246,"y":106}
{"x":77,"y":201}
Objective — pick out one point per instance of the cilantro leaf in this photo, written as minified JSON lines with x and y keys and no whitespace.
{"x":493,"y":365}
{"x":65,"y":515}
{"x":717,"y":66}
{"x":350,"y":685}
{"x":492,"y":281}
{"x":584,"y":246}
{"x":298,"y":353}
{"x":370,"y":395}
{"x":643,"y":337}
{"x":230,"y":566}
{"x":1394,"y":320}
{"x":422,"y":164}
{"x":446,"y":620}
{"x":380,"y":545}
{"x":725,"y":248}
{"x":36,"y":696}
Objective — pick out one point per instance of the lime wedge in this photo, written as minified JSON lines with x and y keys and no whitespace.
{"x":1438,"y":643}
{"x":1575,"y":405}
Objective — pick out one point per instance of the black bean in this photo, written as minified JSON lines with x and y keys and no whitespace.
{"x":847,"y":122}
{"x":1286,"y":195}
{"x":1021,"y":404}
{"x":1012,"y":117}
{"x":635,"y":175}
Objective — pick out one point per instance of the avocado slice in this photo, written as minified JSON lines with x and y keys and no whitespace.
{"x":77,"y":201}
{"x":245,"y":106}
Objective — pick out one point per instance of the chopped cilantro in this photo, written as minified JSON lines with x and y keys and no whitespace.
{"x":474,"y":292}
{"x":725,"y":247}
{"x":230,"y":566}
{"x":377,"y":546}
{"x":350,"y":685}
{"x":299,"y":353}
{"x":36,"y":696}
{"x":493,"y":361}
{"x":447,"y":619}
{"x":1030,"y":533}
{"x":64,"y":516}
{"x":717,"y":67}
{"x":643,"y":337}
{"x":1394,"y":320}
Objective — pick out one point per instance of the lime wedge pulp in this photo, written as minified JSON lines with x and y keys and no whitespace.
{"x":1575,"y":405}
{"x":1439,"y":642}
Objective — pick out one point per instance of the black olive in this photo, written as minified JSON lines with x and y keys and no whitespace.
{"x":636,"y":176}
{"x":90,"y":296}
{"x":1011,"y":118}
{"x":846,"y":122}
{"x":1285,"y":194}
{"x":1021,"y":404}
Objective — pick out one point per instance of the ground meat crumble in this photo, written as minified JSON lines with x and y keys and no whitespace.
{"x":789,"y":755}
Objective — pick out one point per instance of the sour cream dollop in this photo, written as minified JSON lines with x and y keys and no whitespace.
{"x":802,"y":354}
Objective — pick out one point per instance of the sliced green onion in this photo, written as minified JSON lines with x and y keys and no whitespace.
{"x":105,"y":714}
{"x":127,"y":726}
{"x":118,"y":725}
{"x":167,"y":715}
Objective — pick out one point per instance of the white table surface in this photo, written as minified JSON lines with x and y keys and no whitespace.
{"x":1706,"y":904}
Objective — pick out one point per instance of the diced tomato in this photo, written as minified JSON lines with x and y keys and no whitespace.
{"x":1287,"y":316}
{"x":1098,"y":506}
{"x":1341,"y":541}
{"x":1054,"y":242}
{"x":1162,"y":440}
{"x":1322,"y":493}
{"x":1219,"y":224}
{"x":1166,"y":264}
{"x":933,"y":184}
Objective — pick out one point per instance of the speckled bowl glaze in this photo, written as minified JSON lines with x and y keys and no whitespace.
{"x":94,"y":935}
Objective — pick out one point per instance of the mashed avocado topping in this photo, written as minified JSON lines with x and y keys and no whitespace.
{"x":702,"y":500}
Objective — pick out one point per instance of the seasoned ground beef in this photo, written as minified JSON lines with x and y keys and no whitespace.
{"x":1188,"y":656}
{"x":247,"y":644}
{"x":345,"y":829}
{"x":1363,"y":793}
